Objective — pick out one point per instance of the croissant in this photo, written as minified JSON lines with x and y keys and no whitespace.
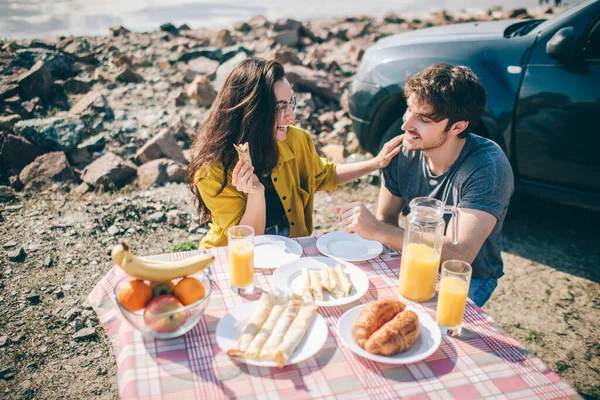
{"x":373,"y":316}
{"x":396,"y":336}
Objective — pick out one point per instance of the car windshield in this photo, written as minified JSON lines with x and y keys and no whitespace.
{"x":521,"y":28}
{"x":577,"y":5}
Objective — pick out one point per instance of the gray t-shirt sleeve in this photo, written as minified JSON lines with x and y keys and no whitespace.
{"x":390,"y":177}
{"x":489,"y":187}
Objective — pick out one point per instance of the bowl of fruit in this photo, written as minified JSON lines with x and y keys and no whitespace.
{"x":162,"y":299}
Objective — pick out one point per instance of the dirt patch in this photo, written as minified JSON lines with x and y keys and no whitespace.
{"x":52,"y":346}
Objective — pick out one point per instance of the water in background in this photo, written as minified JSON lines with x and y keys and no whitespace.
{"x":50,"y":18}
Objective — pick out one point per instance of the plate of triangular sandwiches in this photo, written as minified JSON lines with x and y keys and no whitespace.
{"x":274,"y":331}
{"x":325,"y":281}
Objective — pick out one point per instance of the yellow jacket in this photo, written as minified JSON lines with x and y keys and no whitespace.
{"x":299,"y":173}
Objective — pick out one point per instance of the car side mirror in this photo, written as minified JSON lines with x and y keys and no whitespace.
{"x":562,"y":45}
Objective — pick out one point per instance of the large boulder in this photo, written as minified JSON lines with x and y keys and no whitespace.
{"x":8,"y":89}
{"x":202,"y":91}
{"x":285,"y":56}
{"x":163,"y":145}
{"x":287,"y":25}
{"x":37,"y":82}
{"x":91,"y":104}
{"x":52,"y":133}
{"x":222,"y":39}
{"x":119,"y":30}
{"x":109,"y":171}
{"x":7,"y":123}
{"x":213,"y":53}
{"x":287,"y":38}
{"x":307,"y":80}
{"x":226,"y":68}
{"x":17,"y":152}
{"x":79,"y":48}
{"x":198,"y":66}
{"x":128,"y":74}
{"x":6,"y":194}
{"x":157,"y":172}
{"x":47,"y":169}
{"x":58,"y":63}
{"x":76,"y":86}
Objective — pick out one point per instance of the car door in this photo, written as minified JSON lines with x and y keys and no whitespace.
{"x":557,"y":120}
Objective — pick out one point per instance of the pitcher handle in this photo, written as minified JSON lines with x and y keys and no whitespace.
{"x":454,"y":211}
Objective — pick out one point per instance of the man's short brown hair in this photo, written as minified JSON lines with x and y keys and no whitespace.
{"x":454,"y":92}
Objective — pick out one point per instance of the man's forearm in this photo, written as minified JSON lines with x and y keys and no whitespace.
{"x":390,"y":235}
{"x":352,"y":171}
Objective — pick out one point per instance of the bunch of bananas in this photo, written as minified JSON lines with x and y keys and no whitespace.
{"x":157,"y":271}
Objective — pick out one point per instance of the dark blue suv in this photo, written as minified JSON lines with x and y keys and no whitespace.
{"x":543,"y":83}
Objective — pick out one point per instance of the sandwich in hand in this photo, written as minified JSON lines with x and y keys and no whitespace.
{"x":243,"y":151}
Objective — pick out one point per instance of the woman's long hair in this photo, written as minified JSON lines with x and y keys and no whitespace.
{"x":244,"y":111}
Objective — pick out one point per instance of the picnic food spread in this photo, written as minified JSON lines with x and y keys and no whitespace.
{"x":281,"y":330}
{"x":275,"y":328}
{"x":384,"y":327}
{"x":333,"y":280}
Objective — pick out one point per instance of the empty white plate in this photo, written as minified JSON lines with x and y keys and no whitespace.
{"x":348,"y":247}
{"x":288,"y":279}
{"x":230,"y":328}
{"x":271,"y":251}
{"x":428,"y":342}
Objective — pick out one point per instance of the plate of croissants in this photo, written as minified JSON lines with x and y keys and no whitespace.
{"x":386,"y":331}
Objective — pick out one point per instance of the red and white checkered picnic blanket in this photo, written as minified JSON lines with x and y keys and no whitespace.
{"x":484,"y":362}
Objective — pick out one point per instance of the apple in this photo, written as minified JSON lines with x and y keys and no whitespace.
{"x":164,"y":323}
{"x":162,"y":288}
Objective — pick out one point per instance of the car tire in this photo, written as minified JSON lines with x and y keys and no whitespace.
{"x":394,"y":130}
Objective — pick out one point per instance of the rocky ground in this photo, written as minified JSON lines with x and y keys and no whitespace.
{"x":94,"y":139}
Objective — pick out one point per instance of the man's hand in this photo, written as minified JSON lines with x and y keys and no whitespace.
{"x":244,"y":179}
{"x":355,"y":217}
{"x":388,"y":151}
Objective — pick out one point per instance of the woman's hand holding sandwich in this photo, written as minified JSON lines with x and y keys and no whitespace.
{"x":245,"y":180}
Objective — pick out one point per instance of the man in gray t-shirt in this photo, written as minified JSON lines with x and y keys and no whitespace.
{"x":439,"y":158}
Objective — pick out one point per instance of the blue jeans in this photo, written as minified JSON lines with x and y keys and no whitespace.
{"x":281,"y":229}
{"x":480,"y":290}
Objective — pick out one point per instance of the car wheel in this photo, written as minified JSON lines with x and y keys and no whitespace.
{"x":391,"y":132}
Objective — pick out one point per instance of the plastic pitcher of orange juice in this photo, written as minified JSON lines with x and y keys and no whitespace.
{"x":241,"y":258}
{"x":422,"y":247}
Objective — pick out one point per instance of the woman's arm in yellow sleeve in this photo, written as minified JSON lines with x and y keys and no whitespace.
{"x":226,"y":207}
{"x":231,"y":207}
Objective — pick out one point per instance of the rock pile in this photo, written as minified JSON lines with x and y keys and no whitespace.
{"x":109,"y":111}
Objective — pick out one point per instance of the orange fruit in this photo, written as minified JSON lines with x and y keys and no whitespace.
{"x":134,"y":295}
{"x":189,"y":290}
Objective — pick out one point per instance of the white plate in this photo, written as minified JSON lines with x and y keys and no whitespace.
{"x":428,"y":342}
{"x":348,"y":247}
{"x":230,"y":328}
{"x":271,"y":251}
{"x":288,"y":279}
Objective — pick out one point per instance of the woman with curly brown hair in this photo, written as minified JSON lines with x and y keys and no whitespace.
{"x":274,"y":193}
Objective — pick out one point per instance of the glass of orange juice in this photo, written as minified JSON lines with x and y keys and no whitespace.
{"x":241,"y":258}
{"x":452,"y":297}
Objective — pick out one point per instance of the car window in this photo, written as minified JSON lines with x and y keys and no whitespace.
{"x":591,"y":47}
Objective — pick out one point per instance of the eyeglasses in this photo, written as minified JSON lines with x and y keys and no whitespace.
{"x":291,"y":105}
